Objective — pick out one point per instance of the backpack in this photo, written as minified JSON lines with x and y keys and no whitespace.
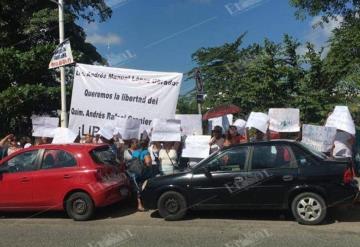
{"x":135,"y":166}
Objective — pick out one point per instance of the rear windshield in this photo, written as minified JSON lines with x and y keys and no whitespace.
{"x":104,"y":156}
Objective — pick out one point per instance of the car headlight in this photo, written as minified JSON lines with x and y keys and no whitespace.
{"x":144,"y":185}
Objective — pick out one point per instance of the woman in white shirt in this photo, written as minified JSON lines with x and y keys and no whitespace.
{"x":168,"y":158}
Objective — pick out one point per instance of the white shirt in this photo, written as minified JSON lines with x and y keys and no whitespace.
{"x":342,"y":144}
{"x":167,"y":160}
{"x":153,"y":152}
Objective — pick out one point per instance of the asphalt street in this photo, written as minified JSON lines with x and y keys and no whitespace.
{"x":120,"y":226}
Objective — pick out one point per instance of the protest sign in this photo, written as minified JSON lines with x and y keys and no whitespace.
{"x":318,"y":137}
{"x":258,"y":120}
{"x":62,"y":55}
{"x":191,"y":124}
{"x":166,"y":130}
{"x":101,"y":95}
{"x":44,"y":126}
{"x":240,"y":126}
{"x":128,"y":128}
{"x":196,"y":146}
{"x":64,"y":136}
{"x":341,"y":119}
{"x":224,"y":122}
{"x":284,"y":119}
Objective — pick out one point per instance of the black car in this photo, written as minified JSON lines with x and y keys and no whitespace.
{"x":278,"y":174}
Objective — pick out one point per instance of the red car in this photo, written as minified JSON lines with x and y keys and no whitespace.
{"x":76,"y":178}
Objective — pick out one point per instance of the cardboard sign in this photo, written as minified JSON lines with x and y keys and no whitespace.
{"x":64,"y":136}
{"x":191,"y":124}
{"x":259,"y":121}
{"x":319,"y":138}
{"x":341,"y":119}
{"x":44,"y":126}
{"x":224,"y":122}
{"x":196,"y":146}
{"x":240,"y":126}
{"x":166,"y":130}
{"x":284,"y":119}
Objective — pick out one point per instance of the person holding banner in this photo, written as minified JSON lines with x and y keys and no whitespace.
{"x":168,"y":158}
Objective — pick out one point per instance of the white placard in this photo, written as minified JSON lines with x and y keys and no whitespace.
{"x":240,"y":126}
{"x":44,"y":126}
{"x":224,"y":122}
{"x":166,"y":130}
{"x":64,"y":136}
{"x":284,"y":119}
{"x":101,"y":95}
{"x":318,"y":137}
{"x":191,"y":124}
{"x":128,"y":128}
{"x":341,"y":119}
{"x":62,"y":55}
{"x":259,"y":121}
{"x":196,"y":147}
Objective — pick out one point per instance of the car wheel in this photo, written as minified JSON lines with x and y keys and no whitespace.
{"x":309,"y":208}
{"x":172,"y":205}
{"x":79,"y":206}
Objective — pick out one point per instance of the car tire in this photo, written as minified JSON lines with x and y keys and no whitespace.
{"x":309,"y":208}
{"x":79,"y":206}
{"x":172,"y":206}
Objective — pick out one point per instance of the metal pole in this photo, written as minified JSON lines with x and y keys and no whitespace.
{"x":63,"y":115}
{"x":199,"y":108}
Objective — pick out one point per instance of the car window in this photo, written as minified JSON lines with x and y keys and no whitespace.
{"x":57,"y":159}
{"x":271,"y":156}
{"x":302,"y":158}
{"x":104,"y":156}
{"x":229,"y":160}
{"x":22,"y":162}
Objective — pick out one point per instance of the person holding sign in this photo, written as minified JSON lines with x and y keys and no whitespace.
{"x":343,"y":144}
{"x":232,"y":137}
{"x":168,"y":158}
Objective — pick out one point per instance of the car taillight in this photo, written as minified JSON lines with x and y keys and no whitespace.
{"x":348,"y":175}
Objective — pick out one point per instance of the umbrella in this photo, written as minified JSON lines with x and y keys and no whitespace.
{"x":221,"y":111}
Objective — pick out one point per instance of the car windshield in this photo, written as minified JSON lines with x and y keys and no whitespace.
{"x":104,"y":156}
{"x":313,"y":151}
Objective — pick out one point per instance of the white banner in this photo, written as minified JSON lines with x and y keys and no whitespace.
{"x":341,"y":119}
{"x":101,"y":95}
{"x":318,"y":137}
{"x":191,"y":124}
{"x":62,"y":55}
{"x":258,"y":120}
{"x":44,"y":126}
{"x":166,"y":130}
{"x":284,"y":119}
{"x":196,"y":147}
{"x":224,"y":122}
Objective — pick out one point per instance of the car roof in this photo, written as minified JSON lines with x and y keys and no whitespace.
{"x":72,"y":146}
{"x":264,"y":142}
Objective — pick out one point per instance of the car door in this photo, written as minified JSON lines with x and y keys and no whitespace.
{"x":279,"y":173}
{"x":57,"y":174}
{"x":16,"y":185}
{"x":217,"y":182}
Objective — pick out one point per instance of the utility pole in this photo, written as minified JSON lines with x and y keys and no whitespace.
{"x":63,"y":114}
{"x":200,"y":89}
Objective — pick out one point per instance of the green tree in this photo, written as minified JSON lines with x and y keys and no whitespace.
{"x":28,"y":36}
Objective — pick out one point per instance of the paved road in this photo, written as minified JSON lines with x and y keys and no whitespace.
{"x":120,"y":226}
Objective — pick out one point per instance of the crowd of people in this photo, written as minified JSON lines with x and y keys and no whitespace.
{"x":145,"y":159}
